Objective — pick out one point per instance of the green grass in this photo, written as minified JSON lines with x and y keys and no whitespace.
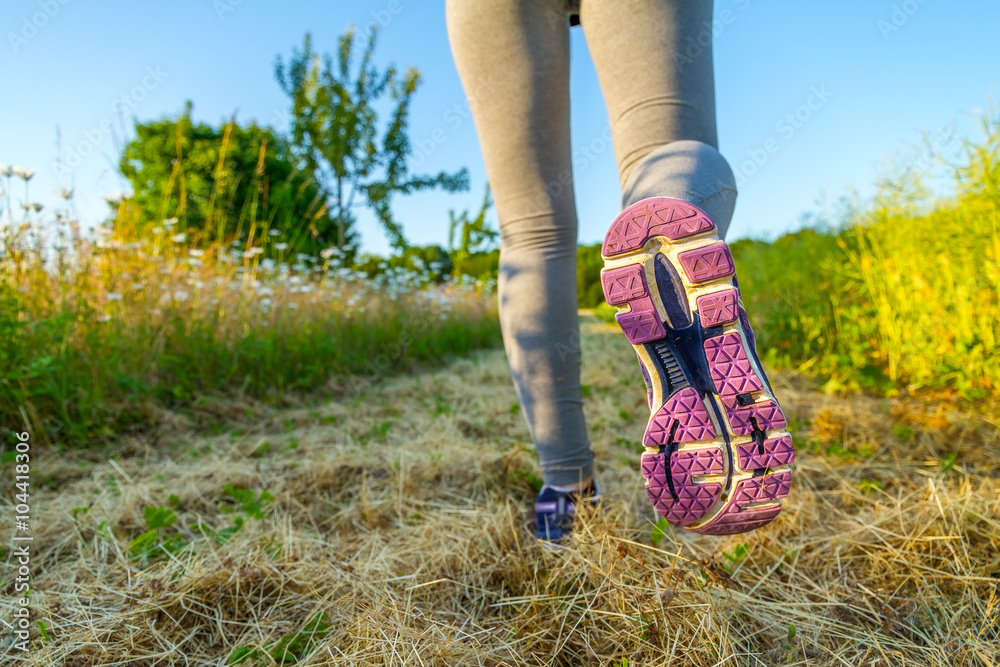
{"x":115,"y":328}
{"x":119,"y":329}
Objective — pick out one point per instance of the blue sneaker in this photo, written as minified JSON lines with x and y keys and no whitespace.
{"x":554,"y":510}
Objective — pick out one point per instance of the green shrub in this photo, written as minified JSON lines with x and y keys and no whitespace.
{"x":906,"y":296}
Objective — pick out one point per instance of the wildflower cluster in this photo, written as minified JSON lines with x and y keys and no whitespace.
{"x":146,"y":316}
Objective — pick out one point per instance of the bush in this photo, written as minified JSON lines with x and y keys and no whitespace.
{"x":221,"y":182}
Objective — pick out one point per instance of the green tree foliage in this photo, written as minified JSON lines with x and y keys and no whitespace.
{"x":588,"y":276}
{"x":219,"y":181}
{"x":337,"y":135}
{"x":475,"y":236}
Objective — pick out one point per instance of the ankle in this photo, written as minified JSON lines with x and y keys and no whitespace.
{"x":573,"y":486}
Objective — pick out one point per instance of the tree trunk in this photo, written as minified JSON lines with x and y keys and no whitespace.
{"x":340,"y":214}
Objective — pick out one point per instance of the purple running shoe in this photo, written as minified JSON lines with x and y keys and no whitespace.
{"x":554,"y":510}
{"x":717,"y":453}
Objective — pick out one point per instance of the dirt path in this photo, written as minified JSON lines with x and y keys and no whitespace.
{"x":401,"y":513}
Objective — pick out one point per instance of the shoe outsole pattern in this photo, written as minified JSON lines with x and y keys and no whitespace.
{"x":717,"y":457}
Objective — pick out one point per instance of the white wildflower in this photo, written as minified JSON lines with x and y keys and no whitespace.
{"x":181,"y":295}
{"x":65,"y":193}
{"x":280,"y":246}
{"x":196,"y":252}
{"x":178,"y":238}
{"x":114,"y":296}
{"x":274,"y":232}
{"x":23,"y":173}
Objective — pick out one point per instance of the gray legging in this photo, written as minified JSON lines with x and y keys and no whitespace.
{"x":654,"y":62}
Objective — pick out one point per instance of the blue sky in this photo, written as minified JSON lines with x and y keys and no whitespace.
{"x":888,"y":70}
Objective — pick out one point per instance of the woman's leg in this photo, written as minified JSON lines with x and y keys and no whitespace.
{"x":513,"y":59}
{"x":654,"y":62}
{"x":717,"y":452}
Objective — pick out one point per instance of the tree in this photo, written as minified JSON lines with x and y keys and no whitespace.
{"x":335,"y":132}
{"x":475,"y":236}
{"x":219,"y":181}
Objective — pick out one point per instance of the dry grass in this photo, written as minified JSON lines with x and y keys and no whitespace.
{"x":402,"y":514}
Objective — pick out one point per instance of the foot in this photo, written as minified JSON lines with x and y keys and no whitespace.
{"x":717,"y":455}
{"x":554,"y":510}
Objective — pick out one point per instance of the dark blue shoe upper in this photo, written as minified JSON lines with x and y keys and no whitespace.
{"x":554,"y":510}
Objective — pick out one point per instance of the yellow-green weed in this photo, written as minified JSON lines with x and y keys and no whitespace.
{"x":905,"y":297}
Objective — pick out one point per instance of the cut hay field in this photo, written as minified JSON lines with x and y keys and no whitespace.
{"x":390,"y":525}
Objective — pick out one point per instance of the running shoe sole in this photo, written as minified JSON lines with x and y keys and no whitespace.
{"x":717,"y":453}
